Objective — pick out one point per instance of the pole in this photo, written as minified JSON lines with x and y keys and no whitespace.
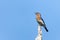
{"x":39,"y":36}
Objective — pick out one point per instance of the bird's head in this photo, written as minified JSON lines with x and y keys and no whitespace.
{"x":38,"y":16}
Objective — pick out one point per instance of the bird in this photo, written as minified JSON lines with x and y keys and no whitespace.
{"x":40,"y":21}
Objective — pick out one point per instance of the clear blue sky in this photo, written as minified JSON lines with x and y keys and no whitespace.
{"x":17,"y":19}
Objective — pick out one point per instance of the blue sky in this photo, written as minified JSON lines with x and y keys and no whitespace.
{"x":17,"y":19}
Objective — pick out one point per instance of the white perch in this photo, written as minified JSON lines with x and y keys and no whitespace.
{"x":39,"y":36}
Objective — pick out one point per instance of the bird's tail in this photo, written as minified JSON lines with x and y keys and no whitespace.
{"x":46,"y":28}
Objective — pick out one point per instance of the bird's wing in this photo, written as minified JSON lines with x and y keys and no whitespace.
{"x":44,"y":25}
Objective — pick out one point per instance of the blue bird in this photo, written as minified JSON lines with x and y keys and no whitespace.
{"x":40,"y":21}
